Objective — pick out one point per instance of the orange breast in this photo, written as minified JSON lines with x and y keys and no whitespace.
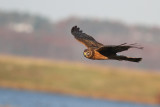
{"x":99,"y":56}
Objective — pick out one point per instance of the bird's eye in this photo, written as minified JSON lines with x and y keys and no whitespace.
{"x":88,"y":53}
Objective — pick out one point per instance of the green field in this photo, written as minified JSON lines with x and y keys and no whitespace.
{"x":79,"y":79}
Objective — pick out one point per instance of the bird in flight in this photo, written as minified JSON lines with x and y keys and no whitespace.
{"x":98,"y":51}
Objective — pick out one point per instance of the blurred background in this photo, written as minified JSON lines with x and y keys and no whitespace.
{"x":38,"y":53}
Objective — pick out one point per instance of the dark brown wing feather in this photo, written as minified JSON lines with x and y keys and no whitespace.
{"x":85,"y":39}
{"x":112,"y":50}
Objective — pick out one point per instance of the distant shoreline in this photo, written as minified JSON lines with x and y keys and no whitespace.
{"x":120,"y":84}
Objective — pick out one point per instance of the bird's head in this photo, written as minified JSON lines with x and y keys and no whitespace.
{"x":88,"y":53}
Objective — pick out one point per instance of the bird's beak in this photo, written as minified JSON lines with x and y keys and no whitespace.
{"x":84,"y":53}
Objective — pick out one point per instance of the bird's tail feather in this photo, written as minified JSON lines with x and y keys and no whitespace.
{"x":133,"y":59}
{"x":120,"y":58}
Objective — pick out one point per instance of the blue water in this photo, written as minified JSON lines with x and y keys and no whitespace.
{"x":17,"y":98}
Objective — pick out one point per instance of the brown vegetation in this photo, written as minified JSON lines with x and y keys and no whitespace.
{"x":122,"y":84}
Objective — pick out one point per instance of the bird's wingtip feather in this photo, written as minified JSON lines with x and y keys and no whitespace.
{"x":75,"y":28}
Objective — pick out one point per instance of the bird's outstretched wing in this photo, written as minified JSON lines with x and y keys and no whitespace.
{"x":85,"y":39}
{"x":111,"y":50}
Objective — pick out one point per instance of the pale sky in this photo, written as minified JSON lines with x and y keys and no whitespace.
{"x":129,"y":11}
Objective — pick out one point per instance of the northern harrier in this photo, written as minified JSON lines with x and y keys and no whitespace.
{"x":98,"y":51}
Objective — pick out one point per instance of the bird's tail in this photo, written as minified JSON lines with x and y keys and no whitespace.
{"x":120,"y":58}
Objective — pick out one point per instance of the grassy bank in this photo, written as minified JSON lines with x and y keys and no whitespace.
{"x":79,"y":79}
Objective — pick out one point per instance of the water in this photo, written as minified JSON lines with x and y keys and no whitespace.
{"x":14,"y":98}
